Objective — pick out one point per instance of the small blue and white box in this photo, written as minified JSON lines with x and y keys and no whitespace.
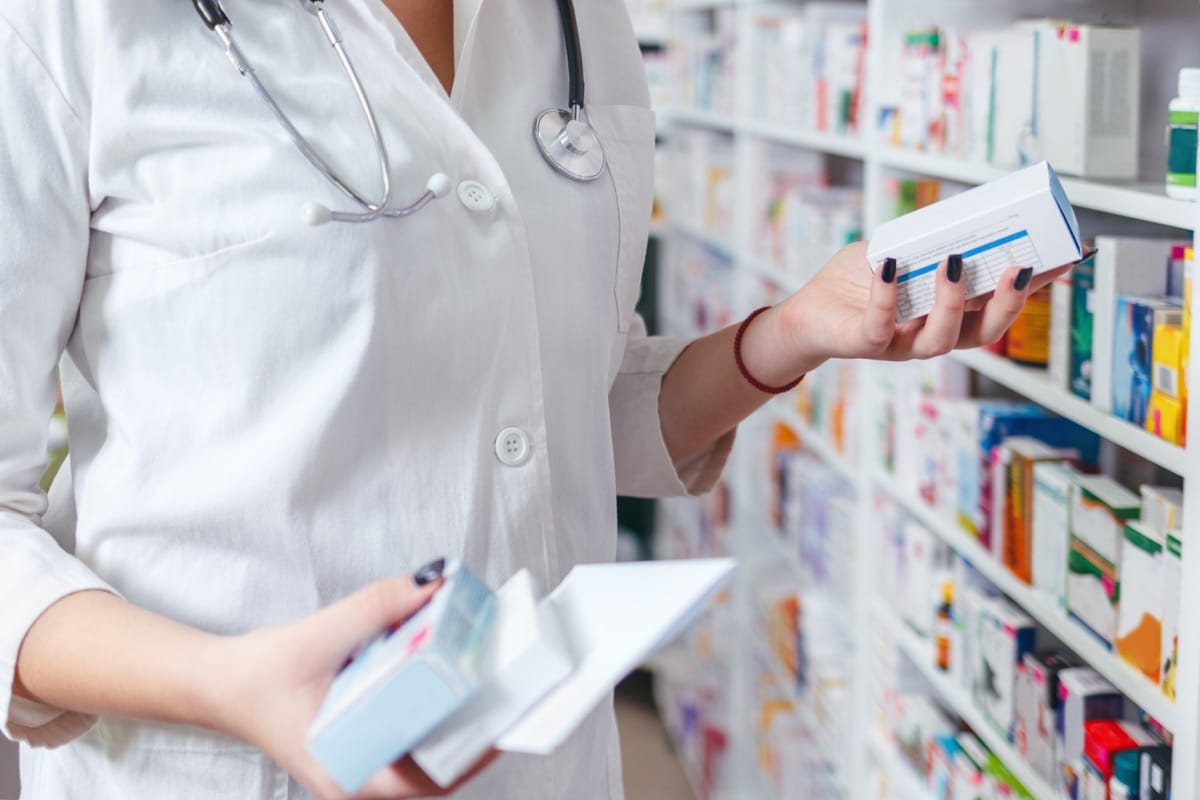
{"x":406,"y":683}
{"x":1023,"y":219}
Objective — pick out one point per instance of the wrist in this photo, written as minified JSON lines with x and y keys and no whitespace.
{"x":774,"y":351}
{"x":212,"y":684}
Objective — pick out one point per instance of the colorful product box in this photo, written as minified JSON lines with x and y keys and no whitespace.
{"x":405,"y":684}
{"x":1002,"y":783}
{"x":940,"y":767}
{"x":1083,"y":279}
{"x":1100,"y":507}
{"x":1165,"y":412}
{"x":982,"y":426}
{"x":1019,"y":456}
{"x":1006,"y":635}
{"x":1103,"y":739}
{"x":1172,"y":583}
{"x":1037,"y":708}
{"x":1052,"y":484}
{"x":969,"y":765}
{"x":1083,"y":696}
{"x":1093,"y":590}
{"x":1140,"y":613}
{"x":1133,"y":347}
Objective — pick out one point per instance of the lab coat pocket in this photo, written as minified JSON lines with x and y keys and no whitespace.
{"x":128,"y":759}
{"x":627,"y":134}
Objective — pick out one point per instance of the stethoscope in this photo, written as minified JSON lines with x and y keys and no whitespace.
{"x":564,"y":136}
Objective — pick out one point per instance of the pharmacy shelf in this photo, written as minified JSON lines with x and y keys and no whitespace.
{"x":701,"y":118}
{"x":1137,"y":687}
{"x":1134,"y":200}
{"x":698,"y":5}
{"x":817,"y":443}
{"x":958,"y":700}
{"x":1033,"y":384}
{"x":707,"y":238}
{"x":831,"y":143}
{"x":903,"y":780}
{"x":769,"y":270}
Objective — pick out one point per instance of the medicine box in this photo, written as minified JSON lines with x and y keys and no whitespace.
{"x":1058,"y":365}
{"x":1006,"y":635}
{"x":969,"y":764}
{"x":1133,"y":346}
{"x":527,"y":654}
{"x":1172,"y":584}
{"x":1020,"y":456}
{"x":1124,"y":265}
{"x":1093,"y":590}
{"x":981,"y":427}
{"x":1154,"y":774}
{"x":1082,"y":316}
{"x":1083,"y":696}
{"x":1103,"y":739}
{"x":1088,"y":100}
{"x":404,"y":684}
{"x":1100,"y":508}
{"x":1037,"y":708}
{"x":1140,"y":613}
{"x":1021,"y":219}
{"x":1000,"y":781}
{"x":1052,"y":484}
{"x":1162,"y":507}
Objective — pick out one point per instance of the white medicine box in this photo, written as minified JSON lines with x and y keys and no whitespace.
{"x":1088,"y":100}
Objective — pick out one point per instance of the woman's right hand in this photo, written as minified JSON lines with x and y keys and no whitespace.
{"x":278,"y":677}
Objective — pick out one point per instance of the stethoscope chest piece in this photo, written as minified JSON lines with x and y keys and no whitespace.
{"x":569,"y":144}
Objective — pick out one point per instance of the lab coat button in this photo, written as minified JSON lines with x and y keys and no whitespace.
{"x":475,"y":196}
{"x":513,"y":447}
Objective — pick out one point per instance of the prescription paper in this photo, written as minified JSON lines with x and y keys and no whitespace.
{"x":1023,"y":219}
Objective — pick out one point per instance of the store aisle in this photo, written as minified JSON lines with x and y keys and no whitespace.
{"x":652,"y":770}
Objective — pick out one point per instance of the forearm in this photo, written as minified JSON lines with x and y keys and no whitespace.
{"x":94,"y":653}
{"x":704,"y":394}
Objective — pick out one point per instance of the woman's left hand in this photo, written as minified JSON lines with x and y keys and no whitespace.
{"x":846,"y":311}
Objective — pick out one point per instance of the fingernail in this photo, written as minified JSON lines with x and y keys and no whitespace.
{"x":1023,"y":278}
{"x":1088,"y":256}
{"x":430,"y":572}
{"x":954,"y":268}
{"x":889,"y":270}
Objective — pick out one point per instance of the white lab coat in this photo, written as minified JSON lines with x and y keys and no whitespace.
{"x":264,"y":416}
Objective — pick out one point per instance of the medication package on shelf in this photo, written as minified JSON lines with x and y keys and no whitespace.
{"x":1022,"y":219}
{"x":1012,"y":96}
{"x":810,"y":65}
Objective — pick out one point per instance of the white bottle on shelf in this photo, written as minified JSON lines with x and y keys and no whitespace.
{"x":1183,"y":125}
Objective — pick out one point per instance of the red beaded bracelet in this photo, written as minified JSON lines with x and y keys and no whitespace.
{"x":741,"y":365}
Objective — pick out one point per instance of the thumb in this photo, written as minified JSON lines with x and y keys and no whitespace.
{"x":372,"y":611}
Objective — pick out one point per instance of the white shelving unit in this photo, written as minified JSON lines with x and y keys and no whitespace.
{"x":1170,"y":27}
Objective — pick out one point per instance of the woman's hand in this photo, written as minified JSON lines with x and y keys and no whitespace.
{"x":278,"y":677}
{"x":845,"y":311}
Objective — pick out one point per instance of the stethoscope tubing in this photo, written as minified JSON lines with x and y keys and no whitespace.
{"x":217,"y":20}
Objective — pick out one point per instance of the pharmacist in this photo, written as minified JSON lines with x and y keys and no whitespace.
{"x":283,"y":391}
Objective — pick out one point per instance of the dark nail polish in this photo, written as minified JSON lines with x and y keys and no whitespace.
{"x":1023,"y":278}
{"x":954,"y":267}
{"x":889,"y":270}
{"x":430,"y":572}
{"x":1087,"y":256}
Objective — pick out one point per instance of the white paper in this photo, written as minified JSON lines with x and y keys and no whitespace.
{"x":615,"y":616}
{"x":526,"y":657}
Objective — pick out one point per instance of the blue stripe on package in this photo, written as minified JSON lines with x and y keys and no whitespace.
{"x":405,"y":684}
